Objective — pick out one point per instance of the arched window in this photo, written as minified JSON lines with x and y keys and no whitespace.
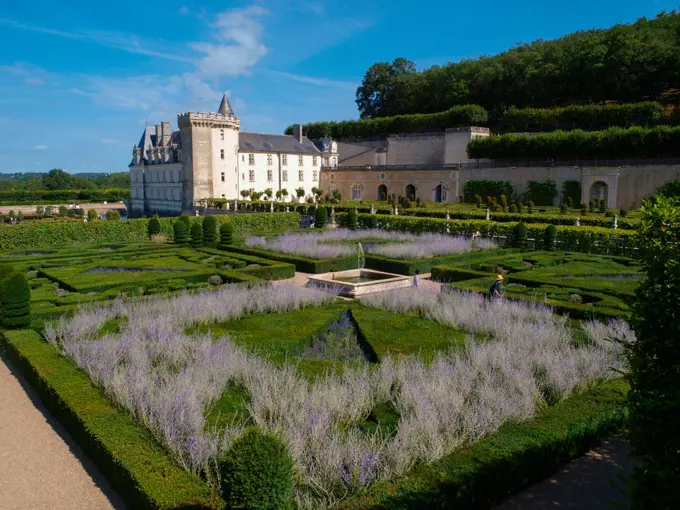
{"x":410,"y":192}
{"x":441,"y":192}
{"x":599,"y":191}
{"x":382,"y":192}
{"x":356,"y":191}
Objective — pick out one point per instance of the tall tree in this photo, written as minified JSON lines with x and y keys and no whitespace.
{"x":379,"y":92}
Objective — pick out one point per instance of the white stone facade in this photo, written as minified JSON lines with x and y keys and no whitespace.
{"x":209,"y":157}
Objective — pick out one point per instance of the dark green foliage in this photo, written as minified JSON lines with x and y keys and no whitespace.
{"x":609,"y":213}
{"x":91,"y":214}
{"x":137,"y":467}
{"x":550,"y":238}
{"x":112,"y":215}
{"x":670,"y":189}
{"x":226,"y":235}
{"x":187,"y":221}
{"x":602,"y":205}
{"x":478,"y":200}
{"x":654,"y":402}
{"x":487,"y":189}
{"x":570,"y":202}
{"x":623,"y":212}
{"x":92,"y":196}
{"x":520,"y":235}
{"x":180,"y":232}
{"x":459,"y":116}
{"x":15,"y":301}
{"x":257,"y":473}
{"x":210,"y":229}
{"x":154,"y":226}
{"x":584,"y":209}
{"x":530,"y":207}
{"x":614,"y":143}
{"x":541,"y":192}
{"x":504,"y":200}
{"x":352,"y":219}
{"x":373,"y":221}
{"x":320,"y":217}
{"x":513,"y":209}
{"x":589,"y":117}
{"x":564,"y":209}
{"x":196,"y":235}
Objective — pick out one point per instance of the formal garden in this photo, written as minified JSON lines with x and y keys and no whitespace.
{"x":195,"y":373}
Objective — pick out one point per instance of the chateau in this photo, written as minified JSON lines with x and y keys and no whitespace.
{"x":210,"y":157}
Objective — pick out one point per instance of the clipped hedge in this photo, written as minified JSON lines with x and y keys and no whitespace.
{"x":15,"y":301}
{"x":458,"y":116}
{"x":486,"y":188}
{"x":36,"y":234}
{"x":612,"y":143}
{"x":135,"y":465}
{"x":519,"y":454}
{"x":587,"y":117}
{"x":409,"y":267}
{"x":302,"y":264}
{"x":89,"y":195}
{"x":581,"y":239}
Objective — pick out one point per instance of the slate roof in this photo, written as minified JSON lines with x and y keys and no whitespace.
{"x":276,"y":143}
{"x":225,"y":107}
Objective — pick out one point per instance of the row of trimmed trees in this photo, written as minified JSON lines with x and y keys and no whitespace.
{"x":198,"y":234}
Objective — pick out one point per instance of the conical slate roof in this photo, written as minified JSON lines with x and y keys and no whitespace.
{"x":225,"y":107}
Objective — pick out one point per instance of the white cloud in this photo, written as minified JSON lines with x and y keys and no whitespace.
{"x":239,"y":45}
{"x":40,"y":147}
{"x":184,"y":10}
{"x":109,"y":141}
{"x":321,"y":82}
{"x":31,"y":74}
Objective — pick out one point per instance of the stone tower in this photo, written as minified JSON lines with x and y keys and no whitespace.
{"x":210,"y":143}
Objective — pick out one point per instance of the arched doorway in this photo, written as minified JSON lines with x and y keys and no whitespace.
{"x":599,"y":191}
{"x":440,"y":193}
{"x":410,"y":192}
{"x":382,"y":192}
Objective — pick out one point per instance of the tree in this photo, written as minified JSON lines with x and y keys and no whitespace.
{"x":279,"y":195}
{"x":112,"y":215}
{"x":300,"y":192}
{"x":255,"y":195}
{"x":317,"y":192}
{"x":48,"y":210}
{"x":57,"y":179}
{"x":154,"y":227}
{"x":245,"y":193}
{"x":226,"y":235}
{"x":196,"y":235}
{"x":320,"y":217}
{"x":654,"y":398}
{"x":268,"y":194}
{"x":180,"y":232}
{"x":210,"y":229}
{"x":384,"y":87}
{"x":187,"y":221}
{"x":284,"y":192}
{"x":40,"y":211}
{"x":91,"y":214}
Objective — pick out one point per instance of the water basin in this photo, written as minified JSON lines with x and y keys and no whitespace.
{"x":359,"y":282}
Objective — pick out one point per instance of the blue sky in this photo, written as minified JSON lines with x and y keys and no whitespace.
{"x":77,"y":84}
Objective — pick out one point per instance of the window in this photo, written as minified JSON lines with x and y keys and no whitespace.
{"x":301,"y":175}
{"x":221,"y":134}
{"x":313,"y":160}
{"x":243,"y":157}
{"x":284,"y":159}
{"x":251,"y":159}
{"x":300,"y":160}
{"x":269,"y":159}
{"x":284,"y":175}
{"x":251,"y":174}
{"x":223,"y":195}
{"x":356,"y":192}
{"x":325,"y":161}
{"x":270,"y":175}
{"x":221,"y":153}
{"x":315,"y":176}
{"x":243,"y":177}
{"x":223,"y":177}
{"x":333,"y":162}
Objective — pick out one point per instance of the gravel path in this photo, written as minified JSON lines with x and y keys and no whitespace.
{"x":40,"y":465}
{"x":591,"y":482}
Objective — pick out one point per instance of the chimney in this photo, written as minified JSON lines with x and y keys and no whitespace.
{"x":165,"y":133}
{"x":297,"y":132}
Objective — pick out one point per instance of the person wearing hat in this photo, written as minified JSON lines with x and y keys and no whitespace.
{"x":496,"y":289}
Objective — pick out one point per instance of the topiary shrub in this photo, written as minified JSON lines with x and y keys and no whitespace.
{"x":504,"y":201}
{"x":226,"y":235}
{"x":320,"y":217}
{"x":352,"y":219}
{"x":187,"y":221}
{"x":550,"y":238}
{"x":179,"y":230}
{"x":584,"y":209}
{"x":530,"y":208}
{"x":15,"y":301}
{"x":373,"y":221}
{"x":603,"y":205}
{"x":215,"y":280}
{"x":610,"y":213}
{"x":520,"y":235}
{"x":196,"y":236}
{"x":91,"y":215}
{"x":154,"y":226}
{"x":563,"y":208}
{"x":513,"y":208}
{"x":497,"y":208}
{"x":478,"y":201}
{"x":111,"y":215}
{"x":623,"y":212}
{"x":210,"y":230}
{"x":257,"y":473}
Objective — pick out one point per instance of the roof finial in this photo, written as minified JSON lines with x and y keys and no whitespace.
{"x":225,"y":107}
